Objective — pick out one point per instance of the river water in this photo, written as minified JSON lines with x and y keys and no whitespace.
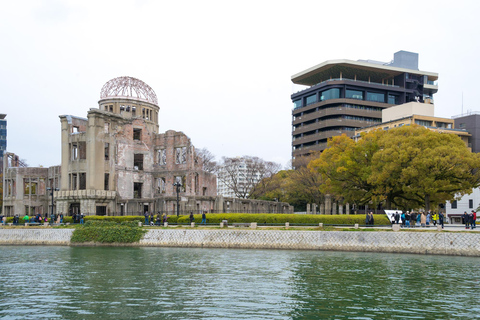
{"x":189,"y":283}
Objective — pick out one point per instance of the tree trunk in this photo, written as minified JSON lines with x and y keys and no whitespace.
{"x":427,"y":203}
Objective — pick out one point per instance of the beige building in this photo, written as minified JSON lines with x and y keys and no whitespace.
{"x":415,"y":113}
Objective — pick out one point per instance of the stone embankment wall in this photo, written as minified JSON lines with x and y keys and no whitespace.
{"x":445,"y":243}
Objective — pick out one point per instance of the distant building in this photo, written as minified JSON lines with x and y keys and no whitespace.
{"x":345,"y":95}
{"x":236,"y":177}
{"x":3,"y":137}
{"x":415,"y":113}
{"x":471,"y":123}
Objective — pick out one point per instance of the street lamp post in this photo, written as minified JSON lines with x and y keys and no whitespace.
{"x":51,"y":193}
{"x":177,"y":188}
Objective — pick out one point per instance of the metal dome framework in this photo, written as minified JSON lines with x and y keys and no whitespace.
{"x":128,"y":87}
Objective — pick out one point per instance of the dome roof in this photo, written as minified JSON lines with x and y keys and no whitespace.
{"x":128,"y":87}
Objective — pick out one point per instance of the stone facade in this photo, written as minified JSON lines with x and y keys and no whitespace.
{"x":441,"y":243}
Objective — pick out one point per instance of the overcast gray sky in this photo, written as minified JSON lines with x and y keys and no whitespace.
{"x":221,"y":69}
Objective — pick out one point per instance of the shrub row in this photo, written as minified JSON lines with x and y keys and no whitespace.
{"x":308,"y":219}
{"x":380,"y":219}
{"x":108,"y":232}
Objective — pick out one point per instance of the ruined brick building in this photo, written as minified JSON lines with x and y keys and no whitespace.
{"x":115,"y":162}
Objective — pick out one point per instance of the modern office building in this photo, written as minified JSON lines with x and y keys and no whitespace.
{"x":3,"y":137}
{"x":344,"y":95}
{"x":236,"y":177}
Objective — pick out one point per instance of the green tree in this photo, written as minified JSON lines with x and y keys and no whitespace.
{"x":409,"y":166}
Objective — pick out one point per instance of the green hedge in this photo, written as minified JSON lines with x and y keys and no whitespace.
{"x":380,"y":219}
{"x":108,"y":232}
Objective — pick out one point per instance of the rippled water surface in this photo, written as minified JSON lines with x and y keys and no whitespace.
{"x":186,"y":283}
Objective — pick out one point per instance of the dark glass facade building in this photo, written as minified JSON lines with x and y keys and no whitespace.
{"x":345,"y":95}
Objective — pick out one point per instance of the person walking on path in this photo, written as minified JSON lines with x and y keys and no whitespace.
{"x":146,"y":217}
{"x":429,"y":216}
{"x":434,"y":218}
{"x":204,"y":218}
{"x":423,"y":220}
{"x":26,"y":219}
{"x":440,"y":217}
{"x":164,"y":218}
{"x":192,"y":219}
{"x":407,"y":219}
{"x":474,"y":225}
{"x":404,"y":218}
{"x":465,"y":219}
{"x":151,"y":219}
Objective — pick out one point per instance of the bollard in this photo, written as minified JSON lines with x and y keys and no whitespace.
{"x":139,"y":224}
{"x":356,"y":226}
{"x":439,"y":227}
{"x":225,"y":223}
{"x":165,"y":224}
{"x":192,"y":224}
{"x":253,"y":225}
{"x":10,"y":224}
{"x":320,"y":225}
{"x":26,"y":224}
{"x":395,"y":227}
{"x":221,"y":224}
{"x":45,"y":224}
{"x":287,"y":225}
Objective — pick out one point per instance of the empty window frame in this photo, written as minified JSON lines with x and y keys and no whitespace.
{"x":138,"y":161}
{"x":82,"y":181}
{"x":162,"y":157}
{"x":137,"y":190}
{"x":107,"y":151}
{"x":161,"y":185}
{"x":106,"y":183}
{"x":137,"y":134}
{"x":181,"y":155}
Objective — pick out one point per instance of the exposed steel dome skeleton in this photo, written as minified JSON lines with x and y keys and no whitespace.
{"x":128,"y":87}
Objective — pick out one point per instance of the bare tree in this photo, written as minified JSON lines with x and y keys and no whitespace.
{"x":242,"y":174}
{"x":207,"y":159}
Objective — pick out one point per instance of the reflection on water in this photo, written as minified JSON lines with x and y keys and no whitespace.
{"x":187,"y":283}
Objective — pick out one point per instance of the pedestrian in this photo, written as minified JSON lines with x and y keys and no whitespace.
{"x":81,"y":218}
{"x":407,"y":219}
{"x":367,"y":218}
{"x":429,"y":216}
{"x":397,"y":217}
{"x":372,"y":221}
{"x":192,"y":219}
{"x":423,"y":220}
{"x":419,"y":220}
{"x":146,"y":217}
{"x":15,"y":220}
{"x":413,"y":219}
{"x":151,"y":219}
{"x":204,"y":218}
{"x":440,"y":217}
{"x":434,"y":218}
{"x":158,"y":220}
{"x":404,"y":218}
{"x":61,"y":217}
{"x":465,"y":219}
{"x":165,"y":217}
{"x":474,"y":219}
{"x":26,"y":219}
{"x":470,"y":219}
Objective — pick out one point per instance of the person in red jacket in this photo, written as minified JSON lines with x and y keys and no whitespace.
{"x":474,"y":222}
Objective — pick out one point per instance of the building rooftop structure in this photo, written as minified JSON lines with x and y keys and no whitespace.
{"x":345,"y":95}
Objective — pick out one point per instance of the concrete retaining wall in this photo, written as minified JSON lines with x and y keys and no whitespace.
{"x":445,"y":243}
